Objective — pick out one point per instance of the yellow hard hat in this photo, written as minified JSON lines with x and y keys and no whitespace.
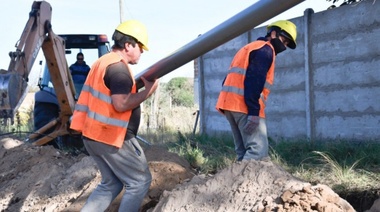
{"x":135,"y":29}
{"x":289,"y":28}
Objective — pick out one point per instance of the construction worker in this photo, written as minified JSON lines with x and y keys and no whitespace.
{"x":246,"y":88}
{"x":108,"y":116}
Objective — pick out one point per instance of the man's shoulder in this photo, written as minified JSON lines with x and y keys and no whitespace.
{"x":79,"y":67}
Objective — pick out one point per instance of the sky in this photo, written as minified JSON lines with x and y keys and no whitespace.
{"x":171,"y":24}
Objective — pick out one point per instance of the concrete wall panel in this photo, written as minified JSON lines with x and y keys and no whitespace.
{"x":362,"y":128}
{"x":327,"y":88}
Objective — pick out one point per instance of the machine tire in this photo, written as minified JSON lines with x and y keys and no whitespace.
{"x":43,"y":113}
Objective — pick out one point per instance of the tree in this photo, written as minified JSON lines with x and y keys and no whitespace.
{"x":181,"y":91}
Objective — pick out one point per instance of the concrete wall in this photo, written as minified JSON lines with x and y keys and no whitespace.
{"x":327,"y":88}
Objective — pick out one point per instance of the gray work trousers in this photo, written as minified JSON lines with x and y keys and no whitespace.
{"x":248,"y":146}
{"x":127,"y":167}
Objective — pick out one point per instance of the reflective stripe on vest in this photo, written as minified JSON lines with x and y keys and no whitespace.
{"x":232,"y":89}
{"x":101,"y":118}
{"x":97,"y":94}
{"x":231,"y":96}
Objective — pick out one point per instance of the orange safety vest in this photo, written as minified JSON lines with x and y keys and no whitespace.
{"x":94,"y":115}
{"x":231,"y":97}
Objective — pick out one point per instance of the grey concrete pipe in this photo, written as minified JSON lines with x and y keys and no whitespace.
{"x":246,"y":20}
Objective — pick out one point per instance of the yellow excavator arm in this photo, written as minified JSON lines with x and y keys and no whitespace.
{"x":13,"y":82}
{"x":38,"y":34}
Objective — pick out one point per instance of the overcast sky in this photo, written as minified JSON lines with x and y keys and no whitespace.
{"x":171,"y":23}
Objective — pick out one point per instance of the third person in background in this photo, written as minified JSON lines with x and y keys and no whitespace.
{"x":79,"y":71}
{"x":246,"y":88}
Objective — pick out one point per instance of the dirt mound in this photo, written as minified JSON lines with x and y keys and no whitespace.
{"x":41,"y":178}
{"x":36,"y":178}
{"x":167,"y":169}
{"x":251,"y":186}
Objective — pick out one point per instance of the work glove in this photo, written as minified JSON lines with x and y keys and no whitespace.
{"x":252,"y":123}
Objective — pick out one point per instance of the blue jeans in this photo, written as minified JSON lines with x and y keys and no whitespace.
{"x":254,"y":146}
{"x":127,"y":167}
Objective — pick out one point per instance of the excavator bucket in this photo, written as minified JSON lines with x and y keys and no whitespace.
{"x":13,"y":82}
{"x":12,"y":92}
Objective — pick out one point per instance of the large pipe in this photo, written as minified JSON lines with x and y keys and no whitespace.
{"x":249,"y":18}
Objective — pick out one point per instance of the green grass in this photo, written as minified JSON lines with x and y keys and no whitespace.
{"x":339,"y":157}
{"x":204,"y":153}
{"x":344,"y":153}
{"x":350,"y":168}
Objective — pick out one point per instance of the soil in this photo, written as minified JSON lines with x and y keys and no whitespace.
{"x":42,"y":178}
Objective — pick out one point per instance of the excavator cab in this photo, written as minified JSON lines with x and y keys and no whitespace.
{"x":46,"y":106}
{"x":92,"y":46}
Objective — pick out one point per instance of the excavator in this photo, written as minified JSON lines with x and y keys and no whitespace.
{"x":57,"y":86}
{"x":54,"y":102}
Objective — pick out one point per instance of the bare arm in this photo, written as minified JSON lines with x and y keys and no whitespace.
{"x":125,"y":102}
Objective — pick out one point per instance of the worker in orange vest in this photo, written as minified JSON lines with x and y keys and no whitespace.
{"x":108,"y":116}
{"x":246,"y":88}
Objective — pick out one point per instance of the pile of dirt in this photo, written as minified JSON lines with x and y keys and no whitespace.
{"x":42,"y":178}
{"x":251,"y":186}
{"x":35,"y":178}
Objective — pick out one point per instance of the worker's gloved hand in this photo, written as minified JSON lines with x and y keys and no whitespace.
{"x":252,"y":123}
